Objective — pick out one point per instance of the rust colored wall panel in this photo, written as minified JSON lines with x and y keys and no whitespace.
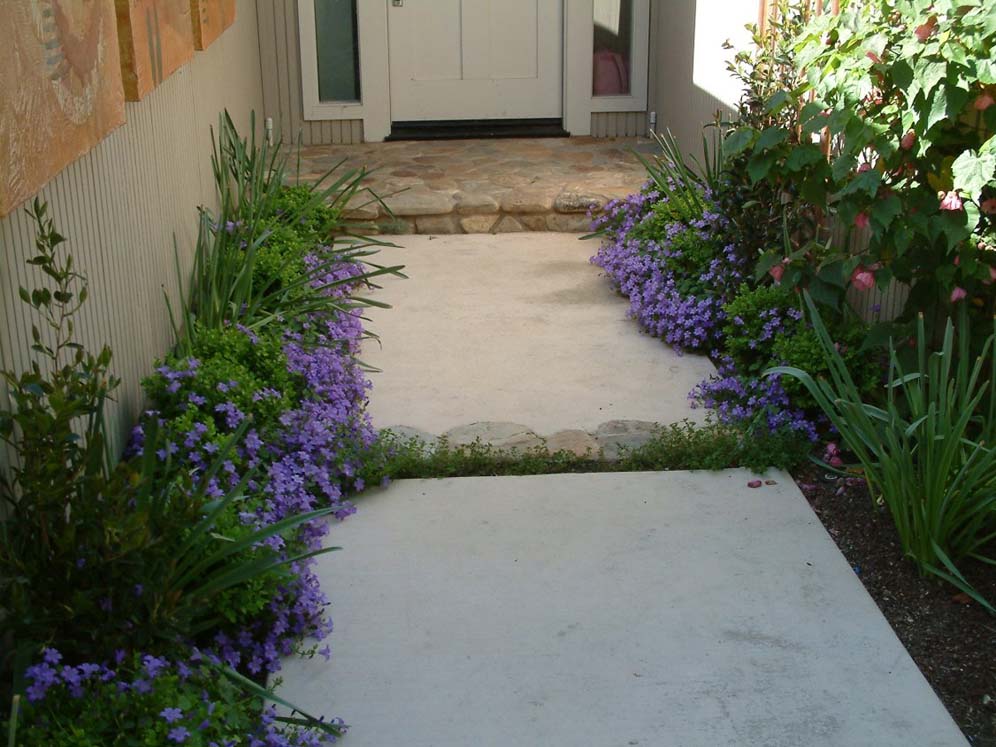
{"x":211,"y":18}
{"x":157,"y":38}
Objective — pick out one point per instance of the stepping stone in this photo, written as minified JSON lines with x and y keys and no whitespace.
{"x":615,"y":436}
{"x":578,"y":442}
{"x":499,"y":435}
{"x":528,"y":200}
{"x":406,"y":433}
{"x":473,"y":203}
{"x":578,"y":202}
{"x":508,"y":224}
{"x":478,"y":223}
{"x":419,"y":202}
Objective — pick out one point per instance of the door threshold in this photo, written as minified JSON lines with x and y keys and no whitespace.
{"x":464,"y":129}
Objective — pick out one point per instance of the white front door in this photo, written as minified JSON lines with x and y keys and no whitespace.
{"x":475,"y":59}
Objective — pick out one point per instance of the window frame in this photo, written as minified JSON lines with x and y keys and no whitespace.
{"x":636,"y":99}
{"x":374,"y":106}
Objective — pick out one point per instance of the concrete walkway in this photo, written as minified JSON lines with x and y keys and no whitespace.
{"x":522,"y":329}
{"x":655,"y":609}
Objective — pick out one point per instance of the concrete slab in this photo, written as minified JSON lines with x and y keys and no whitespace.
{"x":656,"y":609}
{"x":516,"y":328}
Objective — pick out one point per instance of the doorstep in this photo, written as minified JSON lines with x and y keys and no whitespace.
{"x":483,"y":186}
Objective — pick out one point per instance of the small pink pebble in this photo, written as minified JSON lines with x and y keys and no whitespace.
{"x":754,"y":484}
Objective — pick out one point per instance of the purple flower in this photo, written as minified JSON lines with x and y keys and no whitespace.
{"x":154,"y":665}
{"x":171,"y":715}
{"x":51,"y":656}
{"x":180,"y":734}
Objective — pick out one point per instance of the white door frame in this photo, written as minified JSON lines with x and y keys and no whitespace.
{"x":374,"y":108}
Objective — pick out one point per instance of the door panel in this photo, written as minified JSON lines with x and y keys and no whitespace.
{"x":475,"y":59}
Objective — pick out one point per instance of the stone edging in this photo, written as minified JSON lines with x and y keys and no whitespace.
{"x":609,"y":438}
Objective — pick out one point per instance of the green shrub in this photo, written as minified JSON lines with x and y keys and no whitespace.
{"x":925,"y":452}
{"x":248,"y":261}
{"x":279,"y":260}
{"x":143,"y":701}
{"x":755,"y":318}
{"x":316,"y":223}
{"x":228,"y":365}
{"x":689,"y":257}
{"x":655,"y":225}
{"x":93,"y":557}
{"x":802,"y":349}
{"x":905,"y":90}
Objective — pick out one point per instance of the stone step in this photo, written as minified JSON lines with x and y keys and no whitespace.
{"x":564,"y":209}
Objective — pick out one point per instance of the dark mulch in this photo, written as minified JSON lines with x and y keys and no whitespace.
{"x":952,"y":640}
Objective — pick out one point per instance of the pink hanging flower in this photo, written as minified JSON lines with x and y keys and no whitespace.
{"x":988,"y":206}
{"x":863,"y":278}
{"x":908,"y":140}
{"x":957,"y":294}
{"x":950,"y":201}
{"x":776,"y":272}
{"x":923,"y":31}
{"x":984,"y":101}
{"x":861,"y":220}
{"x":864,"y":167}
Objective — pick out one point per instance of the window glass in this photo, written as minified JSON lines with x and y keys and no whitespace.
{"x":338,"y":51}
{"x":613,"y":47}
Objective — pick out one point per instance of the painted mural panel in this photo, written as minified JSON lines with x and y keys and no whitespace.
{"x":211,"y":18}
{"x":157,"y":38}
{"x":60,"y":89}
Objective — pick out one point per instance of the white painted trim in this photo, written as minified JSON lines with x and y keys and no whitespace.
{"x":375,"y":91}
{"x":639,"y":67}
{"x":578,"y":48}
{"x":375,"y":82}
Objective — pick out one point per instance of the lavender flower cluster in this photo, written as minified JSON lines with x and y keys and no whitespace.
{"x":307,"y":457}
{"x":752,"y":400}
{"x":160,"y":695}
{"x":314,"y":455}
{"x":653,"y":273}
{"x":680,"y":277}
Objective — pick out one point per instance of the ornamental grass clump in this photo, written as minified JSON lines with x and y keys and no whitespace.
{"x":926,"y":451}
{"x":257,"y":260}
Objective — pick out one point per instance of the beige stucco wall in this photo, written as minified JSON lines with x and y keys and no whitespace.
{"x":688,"y":77}
{"x":121,"y":205}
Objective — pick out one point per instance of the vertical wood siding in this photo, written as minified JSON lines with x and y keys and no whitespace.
{"x":122,"y":204}
{"x":280,"y":58}
{"x":618,"y":124}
